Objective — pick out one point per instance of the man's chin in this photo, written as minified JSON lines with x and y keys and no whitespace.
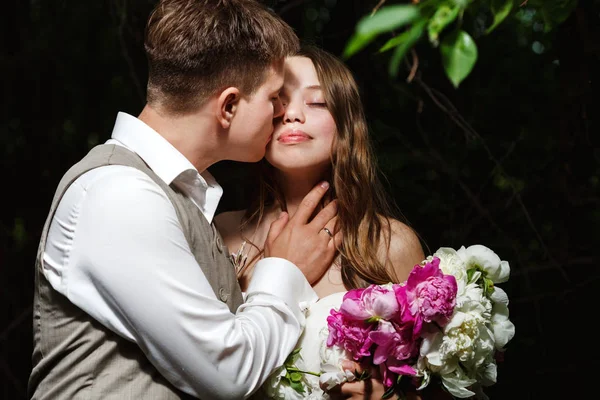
{"x":253,"y":158}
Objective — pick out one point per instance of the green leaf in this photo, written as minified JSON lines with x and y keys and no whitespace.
{"x":403,"y":37}
{"x":488,"y":285}
{"x":462,"y":3}
{"x":404,"y":43}
{"x":297,"y":386}
{"x":356,"y":43}
{"x":292,"y":357}
{"x":443,"y":17}
{"x":387,"y":19}
{"x":459,"y":54}
{"x":364,"y":375}
{"x":295,"y":376}
{"x":388,"y":393}
{"x":500,"y":9}
{"x":470,"y":273}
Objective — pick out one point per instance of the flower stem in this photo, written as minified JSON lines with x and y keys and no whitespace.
{"x":294,"y":369}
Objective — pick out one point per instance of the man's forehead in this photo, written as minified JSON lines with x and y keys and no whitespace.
{"x":274,"y":80}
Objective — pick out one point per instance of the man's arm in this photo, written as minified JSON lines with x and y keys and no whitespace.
{"x":116,"y":250}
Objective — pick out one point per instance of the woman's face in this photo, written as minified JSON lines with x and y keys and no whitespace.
{"x":303,"y":136}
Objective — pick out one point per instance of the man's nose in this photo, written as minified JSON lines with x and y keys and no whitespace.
{"x":278,"y":108}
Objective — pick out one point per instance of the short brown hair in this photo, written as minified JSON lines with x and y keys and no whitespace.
{"x":197,"y":47}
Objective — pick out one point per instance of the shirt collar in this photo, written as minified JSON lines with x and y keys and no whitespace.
{"x":167,"y":162}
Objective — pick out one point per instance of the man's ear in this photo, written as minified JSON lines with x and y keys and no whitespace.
{"x":227,"y":106}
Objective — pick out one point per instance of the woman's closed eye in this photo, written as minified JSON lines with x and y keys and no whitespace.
{"x":316,"y":104}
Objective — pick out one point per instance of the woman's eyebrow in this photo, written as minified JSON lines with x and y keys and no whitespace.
{"x":314,"y":87}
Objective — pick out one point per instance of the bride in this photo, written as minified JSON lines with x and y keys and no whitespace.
{"x":323,"y":135}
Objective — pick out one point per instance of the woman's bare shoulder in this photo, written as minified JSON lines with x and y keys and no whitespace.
{"x":405,"y":248}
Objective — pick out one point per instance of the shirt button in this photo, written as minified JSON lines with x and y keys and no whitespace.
{"x":223,"y":295}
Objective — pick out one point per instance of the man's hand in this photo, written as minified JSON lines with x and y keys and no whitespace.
{"x":306,"y":244}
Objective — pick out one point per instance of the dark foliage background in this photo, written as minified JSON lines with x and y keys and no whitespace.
{"x":510,"y":159}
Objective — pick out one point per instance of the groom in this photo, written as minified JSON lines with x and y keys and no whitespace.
{"x":135,"y":295}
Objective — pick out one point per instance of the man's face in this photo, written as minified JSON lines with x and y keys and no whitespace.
{"x":252,"y":126}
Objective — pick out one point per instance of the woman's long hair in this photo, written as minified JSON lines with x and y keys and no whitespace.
{"x":363,"y":208}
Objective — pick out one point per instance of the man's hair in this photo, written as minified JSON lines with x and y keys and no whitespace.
{"x":197,"y":47}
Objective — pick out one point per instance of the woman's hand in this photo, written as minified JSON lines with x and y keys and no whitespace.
{"x":306,"y":244}
{"x":372,"y":388}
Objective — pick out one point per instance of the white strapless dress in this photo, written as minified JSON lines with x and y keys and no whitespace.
{"x":315,"y":356}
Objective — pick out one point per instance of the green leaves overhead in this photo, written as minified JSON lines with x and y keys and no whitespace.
{"x":403,"y":43}
{"x":500,"y":9}
{"x":386,"y":19}
{"x":441,"y":20}
{"x":442,"y":17}
{"x":459,"y":54}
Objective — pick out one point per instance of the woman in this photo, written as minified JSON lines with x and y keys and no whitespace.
{"x":323,"y":135}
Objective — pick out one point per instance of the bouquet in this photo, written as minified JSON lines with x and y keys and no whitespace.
{"x":447,"y":322}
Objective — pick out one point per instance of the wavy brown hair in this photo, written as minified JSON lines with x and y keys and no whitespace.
{"x":364,"y":210}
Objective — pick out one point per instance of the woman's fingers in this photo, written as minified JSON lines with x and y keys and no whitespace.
{"x":309,"y":204}
{"x":324,"y":217}
{"x":275,"y":229}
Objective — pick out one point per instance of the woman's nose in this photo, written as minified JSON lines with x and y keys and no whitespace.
{"x":292,"y":113}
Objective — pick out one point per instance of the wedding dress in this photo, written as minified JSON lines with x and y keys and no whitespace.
{"x":314,"y":354}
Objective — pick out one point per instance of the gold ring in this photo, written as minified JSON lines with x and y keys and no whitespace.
{"x":327,"y":231}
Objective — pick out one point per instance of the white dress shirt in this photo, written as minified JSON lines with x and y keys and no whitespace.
{"x":116,"y":250}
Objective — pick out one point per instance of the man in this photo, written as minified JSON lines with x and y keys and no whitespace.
{"x":135,"y":295}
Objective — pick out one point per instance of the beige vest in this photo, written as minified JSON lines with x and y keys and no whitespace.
{"x":75,"y":357}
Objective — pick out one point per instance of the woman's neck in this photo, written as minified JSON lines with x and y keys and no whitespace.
{"x":295,"y":186}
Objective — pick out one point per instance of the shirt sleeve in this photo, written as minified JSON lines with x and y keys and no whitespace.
{"x":116,"y":250}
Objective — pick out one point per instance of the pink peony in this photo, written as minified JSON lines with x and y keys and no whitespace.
{"x":429,"y":295}
{"x":350,"y":334}
{"x":394,"y":342}
{"x":375,"y":302}
{"x":392,"y":368}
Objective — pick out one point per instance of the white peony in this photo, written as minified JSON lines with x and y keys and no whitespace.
{"x":487,"y":260}
{"x":452,"y":264}
{"x":457,"y":382}
{"x":466,"y":341}
{"x":467,"y":335}
{"x":503,"y":328}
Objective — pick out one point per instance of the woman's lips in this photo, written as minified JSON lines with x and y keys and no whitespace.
{"x":293,"y":137}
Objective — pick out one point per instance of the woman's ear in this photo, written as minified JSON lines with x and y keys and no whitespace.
{"x":227,"y":106}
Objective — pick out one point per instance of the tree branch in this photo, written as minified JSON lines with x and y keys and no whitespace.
{"x":439,"y":99}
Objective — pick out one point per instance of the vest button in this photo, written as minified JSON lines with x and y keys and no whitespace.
{"x":223,"y":295}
